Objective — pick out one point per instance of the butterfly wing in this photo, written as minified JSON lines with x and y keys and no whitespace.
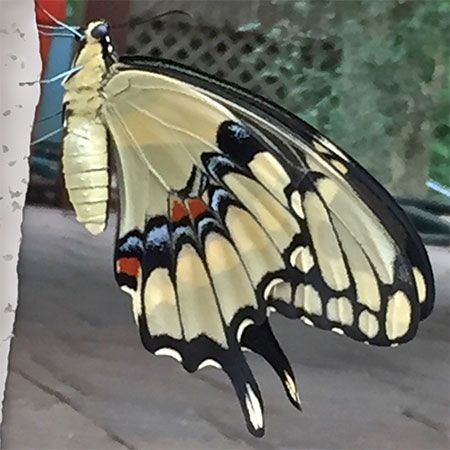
{"x":193,"y":258}
{"x":232,"y":207}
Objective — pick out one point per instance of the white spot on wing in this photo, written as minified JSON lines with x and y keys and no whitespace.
{"x":135,"y":298}
{"x":337,"y":330}
{"x":282,"y":291}
{"x":254,"y":408}
{"x":307,"y":321}
{"x":291,"y":387}
{"x":420,"y":284}
{"x":167,"y":351}
{"x":242,"y":326}
{"x":339,"y":166}
{"x":296,"y":204}
{"x":321,"y":149}
{"x":302,"y":259}
{"x":270,"y":286}
{"x":209,"y":363}
{"x":270,"y":310}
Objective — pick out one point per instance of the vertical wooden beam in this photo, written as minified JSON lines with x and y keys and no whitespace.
{"x":115,"y":12}
{"x":19,"y":54}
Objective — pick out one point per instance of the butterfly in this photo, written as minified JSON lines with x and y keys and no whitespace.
{"x":232,"y":208}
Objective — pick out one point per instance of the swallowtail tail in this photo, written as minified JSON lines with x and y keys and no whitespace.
{"x":230,"y":208}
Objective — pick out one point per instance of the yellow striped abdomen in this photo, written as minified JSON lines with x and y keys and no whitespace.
{"x":85,"y":168}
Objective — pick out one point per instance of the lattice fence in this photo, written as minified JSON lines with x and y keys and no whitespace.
{"x":223,"y":53}
{"x":242,"y":57}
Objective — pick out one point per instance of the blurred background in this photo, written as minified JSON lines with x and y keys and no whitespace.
{"x":371,"y":75}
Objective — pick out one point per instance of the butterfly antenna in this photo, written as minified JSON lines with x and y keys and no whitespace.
{"x":54,"y":27}
{"x":151,"y":19}
{"x":67,"y":73}
{"x":73,"y":30}
{"x":46,"y":136}
{"x":51,"y":116}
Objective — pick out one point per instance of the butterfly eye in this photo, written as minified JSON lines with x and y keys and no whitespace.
{"x":100,"y":31}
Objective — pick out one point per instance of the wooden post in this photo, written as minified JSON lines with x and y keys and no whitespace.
{"x":19,"y":53}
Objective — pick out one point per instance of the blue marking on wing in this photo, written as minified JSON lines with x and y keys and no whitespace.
{"x":239,"y":131}
{"x":202,"y":224}
{"x":158,"y":237}
{"x":218,"y":163}
{"x":217,"y":198}
{"x":181,"y":230}
{"x":133,"y":243}
{"x":236,"y":141}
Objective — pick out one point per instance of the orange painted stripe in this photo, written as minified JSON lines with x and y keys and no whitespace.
{"x":197,"y":207}
{"x":130,"y":266}
{"x":58,"y":9}
{"x":179,"y":211}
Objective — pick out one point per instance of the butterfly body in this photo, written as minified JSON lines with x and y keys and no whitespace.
{"x":231,"y":208}
{"x":85,"y":154}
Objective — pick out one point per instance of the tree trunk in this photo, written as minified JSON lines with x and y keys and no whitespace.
{"x":411,"y":160}
{"x":20,"y":61}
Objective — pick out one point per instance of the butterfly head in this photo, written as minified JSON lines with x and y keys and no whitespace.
{"x":99,"y":32}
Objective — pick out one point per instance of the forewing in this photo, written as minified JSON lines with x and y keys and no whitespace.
{"x":357,"y":265}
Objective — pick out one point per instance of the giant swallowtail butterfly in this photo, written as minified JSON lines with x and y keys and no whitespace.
{"x":230,"y":208}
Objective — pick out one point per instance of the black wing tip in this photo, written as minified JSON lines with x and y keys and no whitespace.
{"x":253,"y":409}
{"x":261,"y":340}
{"x":296,"y":403}
{"x":257,"y":432}
{"x":291,"y":389}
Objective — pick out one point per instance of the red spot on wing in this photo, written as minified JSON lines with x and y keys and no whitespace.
{"x":129,"y":266}
{"x":196,"y":207}
{"x":179,"y":211}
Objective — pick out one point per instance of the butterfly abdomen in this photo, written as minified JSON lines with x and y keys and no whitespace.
{"x":85,"y":148}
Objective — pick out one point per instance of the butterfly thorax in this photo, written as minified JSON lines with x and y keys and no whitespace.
{"x":81,"y":96}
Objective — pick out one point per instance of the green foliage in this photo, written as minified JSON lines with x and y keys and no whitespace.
{"x":440,"y":156}
{"x":372,"y":75}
